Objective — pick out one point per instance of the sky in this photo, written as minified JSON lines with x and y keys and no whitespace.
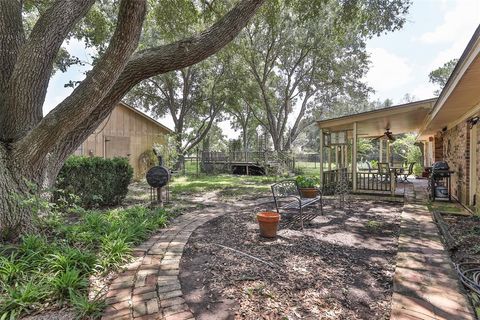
{"x":436,"y":31}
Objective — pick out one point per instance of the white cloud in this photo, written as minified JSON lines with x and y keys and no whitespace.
{"x":459,"y":23}
{"x":424,"y":91}
{"x":388,"y":71}
{"x":460,"y":19}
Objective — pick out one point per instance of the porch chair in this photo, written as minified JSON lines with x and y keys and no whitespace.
{"x":409,"y":172}
{"x":288,"y":191}
{"x":371,"y":170}
{"x":384,"y":171}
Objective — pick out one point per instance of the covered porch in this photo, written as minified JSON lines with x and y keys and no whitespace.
{"x":339,"y":143}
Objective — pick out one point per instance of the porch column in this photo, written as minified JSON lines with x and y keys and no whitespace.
{"x":380,"y":156}
{"x":388,"y":152}
{"x":321,"y":157}
{"x":354,"y":157}
{"x":336,"y":157}
{"x":329,"y":158}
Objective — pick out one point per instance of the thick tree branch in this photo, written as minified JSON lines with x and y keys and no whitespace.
{"x":86,"y":97}
{"x":28,"y":84}
{"x":160,"y":60}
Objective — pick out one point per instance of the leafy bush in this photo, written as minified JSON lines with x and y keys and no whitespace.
{"x":307,"y":182}
{"x":95,"y":181}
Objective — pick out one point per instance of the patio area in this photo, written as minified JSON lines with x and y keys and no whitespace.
{"x":379,"y":257}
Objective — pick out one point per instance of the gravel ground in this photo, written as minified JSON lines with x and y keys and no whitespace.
{"x":340,"y":267}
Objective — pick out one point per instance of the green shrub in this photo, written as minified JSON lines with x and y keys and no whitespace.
{"x":95,"y":181}
{"x":417,"y":169}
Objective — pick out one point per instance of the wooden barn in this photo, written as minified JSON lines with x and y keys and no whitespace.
{"x":127,"y":132}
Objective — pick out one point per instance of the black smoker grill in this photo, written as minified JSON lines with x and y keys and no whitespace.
{"x":158,"y":177}
{"x":439,"y":181}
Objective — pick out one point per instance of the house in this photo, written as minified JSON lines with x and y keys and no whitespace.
{"x":447,"y":127}
{"x":127,"y":132}
{"x":450,"y":131}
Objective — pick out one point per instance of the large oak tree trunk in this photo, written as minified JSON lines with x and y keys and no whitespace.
{"x":33,"y":148}
{"x":15,"y":217}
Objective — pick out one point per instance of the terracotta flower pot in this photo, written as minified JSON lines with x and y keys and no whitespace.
{"x":268,"y":222}
{"x":308,"y":192}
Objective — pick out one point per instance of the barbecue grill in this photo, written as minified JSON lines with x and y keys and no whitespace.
{"x":439,"y":181}
{"x":158,"y":177}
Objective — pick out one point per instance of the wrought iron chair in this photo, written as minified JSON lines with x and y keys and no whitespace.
{"x":409,"y":172}
{"x":384,"y":171}
{"x":288,"y":189}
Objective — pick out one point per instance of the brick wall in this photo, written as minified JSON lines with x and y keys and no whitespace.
{"x":456,"y":151}
{"x":438,"y":145}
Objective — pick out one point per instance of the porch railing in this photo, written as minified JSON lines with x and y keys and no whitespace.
{"x":374,"y":181}
{"x":331,"y":179}
{"x":366,"y":181}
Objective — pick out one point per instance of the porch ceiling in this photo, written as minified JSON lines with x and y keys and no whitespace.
{"x":399,"y":119}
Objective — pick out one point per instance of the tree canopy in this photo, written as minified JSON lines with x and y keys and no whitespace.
{"x":440,"y":75}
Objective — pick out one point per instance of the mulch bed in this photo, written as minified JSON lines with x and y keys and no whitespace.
{"x":465,"y":229}
{"x":340,"y":267}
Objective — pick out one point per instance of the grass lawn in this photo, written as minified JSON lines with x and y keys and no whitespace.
{"x":225,"y":183}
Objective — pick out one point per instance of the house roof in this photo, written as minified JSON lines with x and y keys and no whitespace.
{"x":461,"y":92}
{"x":123,"y":103}
{"x":402,"y":118}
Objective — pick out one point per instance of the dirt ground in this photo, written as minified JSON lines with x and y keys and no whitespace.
{"x":340,"y":267}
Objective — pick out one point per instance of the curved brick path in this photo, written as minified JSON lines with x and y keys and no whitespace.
{"x":149,"y":288}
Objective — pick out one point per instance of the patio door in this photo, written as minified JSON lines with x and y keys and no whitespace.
{"x":473,"y":165}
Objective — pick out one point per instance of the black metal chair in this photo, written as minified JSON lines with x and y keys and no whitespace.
{"x":384,"y":171}
{"x":409,"y":172}
{"x":288,"y":189}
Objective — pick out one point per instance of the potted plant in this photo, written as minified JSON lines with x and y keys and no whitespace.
{"x":268,"y":222}
{"x":307,"y":186}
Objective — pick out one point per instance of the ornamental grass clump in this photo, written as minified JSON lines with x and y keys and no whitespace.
{"x":51,"y":269}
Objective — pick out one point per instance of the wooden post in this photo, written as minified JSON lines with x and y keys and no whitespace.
{"x":388,"y":152}
{"x":329,"y":158}
{"x":321,"y":157}
{"x":380,"y":155}
{"x":393,"y":183}
{"x":336,"y":157}
{"x":354,"y":157}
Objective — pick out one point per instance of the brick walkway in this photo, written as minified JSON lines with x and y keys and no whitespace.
{"x":149,"y":288}
{"x":425,"y":283}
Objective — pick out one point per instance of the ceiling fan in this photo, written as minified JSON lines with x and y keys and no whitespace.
{"x":387,"y":135}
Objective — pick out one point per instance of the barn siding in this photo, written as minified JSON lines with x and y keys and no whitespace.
{"x":124,"y":122}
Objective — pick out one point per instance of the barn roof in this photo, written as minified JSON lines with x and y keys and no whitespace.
{"x":123,"y":103}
